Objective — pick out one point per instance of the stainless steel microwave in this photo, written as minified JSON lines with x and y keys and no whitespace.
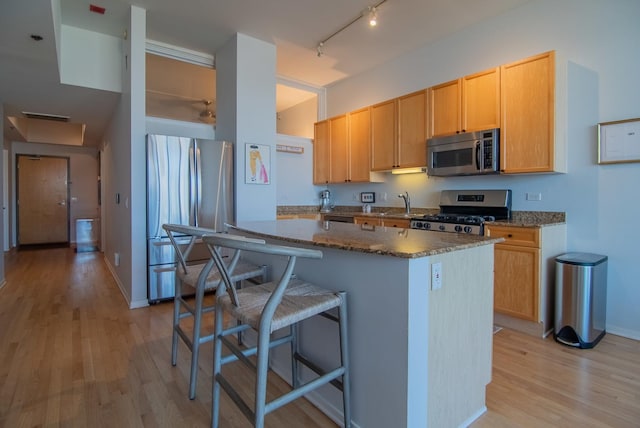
{"x":469,"y":153}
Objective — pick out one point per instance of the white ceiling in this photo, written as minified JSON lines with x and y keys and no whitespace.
{"x":29,"y":78}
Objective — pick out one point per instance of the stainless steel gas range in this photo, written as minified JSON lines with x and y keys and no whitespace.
{"x":466,"y":211}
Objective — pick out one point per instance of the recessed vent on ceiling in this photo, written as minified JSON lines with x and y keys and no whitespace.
{"x":45,"y":116}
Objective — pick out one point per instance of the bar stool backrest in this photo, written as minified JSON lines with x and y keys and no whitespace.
{"x":241,"y":243}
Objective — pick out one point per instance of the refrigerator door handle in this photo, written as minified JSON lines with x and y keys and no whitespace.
{"x":193,"y":184}
{"x":198,"y":203}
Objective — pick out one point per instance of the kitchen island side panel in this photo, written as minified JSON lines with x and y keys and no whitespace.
{"x":461,"y":337}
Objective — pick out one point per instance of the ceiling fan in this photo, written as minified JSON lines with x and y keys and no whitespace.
{"x":207,"y":115}
{"x":180,"y":107}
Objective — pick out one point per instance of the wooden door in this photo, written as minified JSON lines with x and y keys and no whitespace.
{"x":42,"y":208}
{"x":516,"y":281}
{"x":360,"y":145}
{"x":444,"y":108}
{"x":339,"y":149}
{"x":321,"y":153}
{"x":481,"y":100}
{"x":383,"y":136}
{"x":412,"y":130}
{"x":528,"y":115}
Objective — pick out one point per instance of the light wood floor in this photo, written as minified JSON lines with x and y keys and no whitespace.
{"x":72,"y":354}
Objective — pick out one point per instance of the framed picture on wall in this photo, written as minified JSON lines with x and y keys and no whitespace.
{"x":619,"y":141}
{"x":257,"y":164}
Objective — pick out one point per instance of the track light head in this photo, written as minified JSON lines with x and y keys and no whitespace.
{"x":373,"y":16}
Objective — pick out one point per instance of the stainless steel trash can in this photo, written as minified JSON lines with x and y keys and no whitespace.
{"x":581,"y":299}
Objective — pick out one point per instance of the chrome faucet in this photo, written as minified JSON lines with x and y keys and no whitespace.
{"x":407,"y":201}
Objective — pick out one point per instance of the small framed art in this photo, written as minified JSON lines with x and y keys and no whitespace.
{"x":619,"y":141}
{"x":257,"y":164}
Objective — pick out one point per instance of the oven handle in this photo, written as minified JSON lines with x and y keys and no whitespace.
{"x":478,"y":155}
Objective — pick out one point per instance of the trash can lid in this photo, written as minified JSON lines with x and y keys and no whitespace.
{"x":581,"y":259}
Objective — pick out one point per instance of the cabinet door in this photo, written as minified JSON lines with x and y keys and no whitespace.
{"x":481,"y":100}
{"x":412,"y":130}
{"x":321,"y":166}
{"x":444,"y":108}
{"x":528,"y":125}
{"x":383,"y":135}
{"x":360,"y":144}
{"x":339,"y":149}
{"x":516,"y":281}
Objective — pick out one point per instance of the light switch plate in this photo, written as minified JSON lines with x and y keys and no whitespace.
{"x":367,"y":197}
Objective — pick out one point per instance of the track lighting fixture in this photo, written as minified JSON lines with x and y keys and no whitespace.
{"x":372,"y":15}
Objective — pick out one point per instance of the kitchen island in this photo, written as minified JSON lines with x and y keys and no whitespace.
{"x":420,"y":355}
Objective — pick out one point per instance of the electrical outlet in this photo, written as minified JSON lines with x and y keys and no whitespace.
{"x":436,"y":276}
{"x":116,"y":259}
{"x":355,"y":197}
{"x":382,"y":196}
{"x":367,"y":197}
{"x":534,"y":196}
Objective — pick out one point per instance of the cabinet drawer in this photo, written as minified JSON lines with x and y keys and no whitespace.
{"x":523,"y":236}
{"x":311,"y":216}
{"x":371,"y":221}
{"x":401,"y":223}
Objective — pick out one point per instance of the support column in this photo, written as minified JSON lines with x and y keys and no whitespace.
{"x":246,"y":114}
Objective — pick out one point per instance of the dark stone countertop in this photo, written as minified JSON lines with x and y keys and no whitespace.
{"x":388,"y":241}
{"x":518,"y":218}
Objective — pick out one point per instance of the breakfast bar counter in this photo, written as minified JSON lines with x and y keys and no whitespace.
{"x":388,"y":241}
{"x":420,"y":348}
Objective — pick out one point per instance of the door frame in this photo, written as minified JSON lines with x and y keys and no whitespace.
{"x":17,"y":193}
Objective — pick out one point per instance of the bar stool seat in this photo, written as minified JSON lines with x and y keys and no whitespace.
{"x":265,"y":308}
{"x":194,"y":280}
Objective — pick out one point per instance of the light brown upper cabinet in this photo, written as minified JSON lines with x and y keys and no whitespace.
{"x":444,"y":108}
{"x":342,"y":149}
{"x":383,"y":135}
{"x":399,"y":132}
{"x":360,"y":146}
{"x":338,"y":149}
{"x":470,"y":103}
{"x":321,"y":167}
{"x":528,"y":115}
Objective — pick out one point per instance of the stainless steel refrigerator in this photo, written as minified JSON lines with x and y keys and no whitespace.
{"x":190,"y":182}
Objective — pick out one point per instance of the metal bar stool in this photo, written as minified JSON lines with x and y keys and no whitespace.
{"x":200,"y":277}
{"x":266,"y":308}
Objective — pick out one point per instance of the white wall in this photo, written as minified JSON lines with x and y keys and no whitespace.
{"x":299,"y":119}
{"x":295,"y":173}
{"x":90,"y":59}
{"x":599,"y":41}
{"x":124,"y":173}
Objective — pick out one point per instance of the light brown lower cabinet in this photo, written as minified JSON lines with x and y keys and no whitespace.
{"x":369,"y":221}
{"x":524,"y":276}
